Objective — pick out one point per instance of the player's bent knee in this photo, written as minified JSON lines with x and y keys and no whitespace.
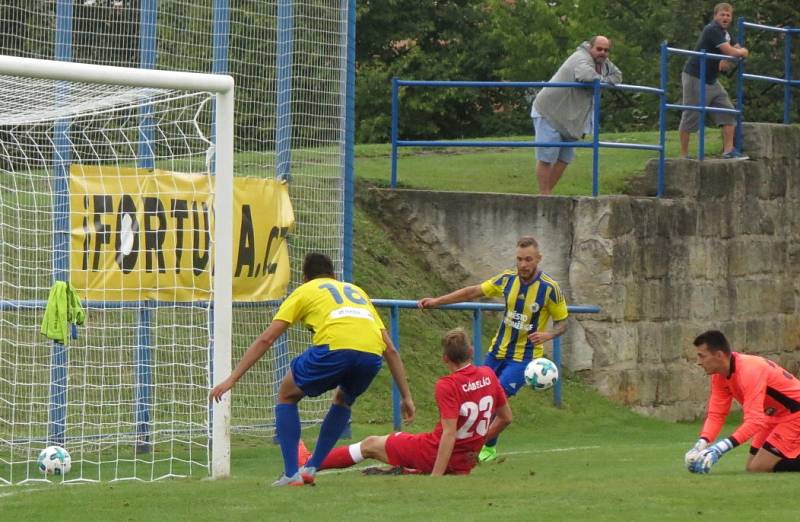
{"x":340,"y":398}
{"x":374,"y":447}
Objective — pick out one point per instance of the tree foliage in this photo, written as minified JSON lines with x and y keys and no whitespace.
{"x":527,"y":40}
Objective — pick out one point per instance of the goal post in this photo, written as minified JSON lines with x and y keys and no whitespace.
{"x":28,"y":132}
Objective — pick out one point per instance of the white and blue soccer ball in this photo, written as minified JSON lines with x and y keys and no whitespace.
{"x":541,"y":374}
{"x":54,"y":460}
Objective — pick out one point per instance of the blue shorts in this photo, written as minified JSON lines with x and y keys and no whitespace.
{"x":320,"y":369}
{"x":510,"y":373}
{"x":545,"y":133}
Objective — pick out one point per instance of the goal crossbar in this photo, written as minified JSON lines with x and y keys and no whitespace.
{"x":109,"y":75}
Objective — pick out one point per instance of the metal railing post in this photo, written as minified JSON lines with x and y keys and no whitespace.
{"x":394,"y":320}
{"x":662,"y":119}
{"x":788,"y":76}
{"x":737,"y":139}
{"x":557,"y":362}
{"x":701,"y":136}
{"x":596,"y":137}
{"x":395,"y":118}
{"x":477,"y":338}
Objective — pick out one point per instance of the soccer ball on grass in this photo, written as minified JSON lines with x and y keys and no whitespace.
{"x":54,"y":460}
{"x":541,"y":374}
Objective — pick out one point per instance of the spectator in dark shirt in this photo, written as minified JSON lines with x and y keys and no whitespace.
{"x":716,"y":40}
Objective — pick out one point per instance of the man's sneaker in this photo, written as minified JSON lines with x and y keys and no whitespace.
{"x":294,"y":480}
{"x":302,"y":453}
{"x":308,"y":473}
{"x":487,"y":454}
{"x":734,"y":155}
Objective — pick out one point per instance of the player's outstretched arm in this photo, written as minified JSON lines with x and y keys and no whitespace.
{"x":446,"y":445}
{"x":501,"y":421}
{"x":398,"y":371}
{"x":468,"y":293}
{"x":256,"y":350}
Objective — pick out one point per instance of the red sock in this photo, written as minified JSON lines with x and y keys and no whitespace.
{"x":338,"y":458}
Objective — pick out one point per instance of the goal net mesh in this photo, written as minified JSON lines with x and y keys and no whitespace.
{"x":100,"y":125}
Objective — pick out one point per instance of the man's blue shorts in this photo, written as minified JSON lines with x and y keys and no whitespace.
{"x":545,"y":133}
{"x":510,"y":373}
{"x":320,"y":369}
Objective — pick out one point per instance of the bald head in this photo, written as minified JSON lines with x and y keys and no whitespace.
{"x":599,"y":47}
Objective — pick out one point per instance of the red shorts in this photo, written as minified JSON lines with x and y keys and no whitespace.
{"x":419,"y":451}
{"x":784,"y":436}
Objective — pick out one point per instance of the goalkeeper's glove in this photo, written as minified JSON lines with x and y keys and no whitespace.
{"x":709,"y":456}
{"x":692,"y":454}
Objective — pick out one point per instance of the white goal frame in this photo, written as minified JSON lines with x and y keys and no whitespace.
{"x":222,"y":86}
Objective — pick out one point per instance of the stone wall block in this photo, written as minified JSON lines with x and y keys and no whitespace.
{"x":578,"y":354}
{"x":613,"y":343}
{"x":656,"y":257}
{"x":591,"y":277}
{"x":627,"y":386}
{"x":675,"y":336}
{"x":651,"y":339}
{"x":714,"y":219}
{"x":626,"y":260}
{"x":632,"y":300}
{"x":716,"y":180}
{"x":757,"y":141}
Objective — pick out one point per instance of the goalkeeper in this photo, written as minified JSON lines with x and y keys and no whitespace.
{"x":770,"y":400}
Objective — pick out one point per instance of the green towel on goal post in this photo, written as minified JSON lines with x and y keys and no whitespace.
{"x":63,"y":309}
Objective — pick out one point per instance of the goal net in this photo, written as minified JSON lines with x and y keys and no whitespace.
{"x":110,"y":188}
{"x":289,"y":62}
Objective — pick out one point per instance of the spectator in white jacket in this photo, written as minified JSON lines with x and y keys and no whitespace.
{"x":565,"y":113}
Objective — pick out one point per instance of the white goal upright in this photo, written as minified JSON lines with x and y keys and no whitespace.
{"x":118,"y":181}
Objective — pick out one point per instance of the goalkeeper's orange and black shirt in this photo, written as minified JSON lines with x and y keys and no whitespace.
{"x":767,"y":393}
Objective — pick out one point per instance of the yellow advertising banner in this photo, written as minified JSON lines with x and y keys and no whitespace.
{"x":147,"y":234}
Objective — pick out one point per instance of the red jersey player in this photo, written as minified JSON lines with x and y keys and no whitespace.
{"x":770,"y":400}
{"x":472,"y":408}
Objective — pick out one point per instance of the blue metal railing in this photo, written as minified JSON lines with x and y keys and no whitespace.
{"x":596,"y":87}
{"x":394,"y":306}
{"x":787,"y":81}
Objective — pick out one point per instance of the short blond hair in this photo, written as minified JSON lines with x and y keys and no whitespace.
{"x":456,"y":346}
{"x":526,"y":241}
{"x":723,"y":6}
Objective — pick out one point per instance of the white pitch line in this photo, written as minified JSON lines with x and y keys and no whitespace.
{"x":551,"y":450}
{"x":19,"y":490}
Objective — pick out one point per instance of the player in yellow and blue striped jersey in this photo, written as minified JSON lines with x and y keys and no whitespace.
{"x":532,"y":298}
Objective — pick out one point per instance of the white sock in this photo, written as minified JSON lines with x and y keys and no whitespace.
{"x":355,"y":452}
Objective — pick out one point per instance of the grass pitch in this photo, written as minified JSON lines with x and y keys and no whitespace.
{"x":590,"y":460}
